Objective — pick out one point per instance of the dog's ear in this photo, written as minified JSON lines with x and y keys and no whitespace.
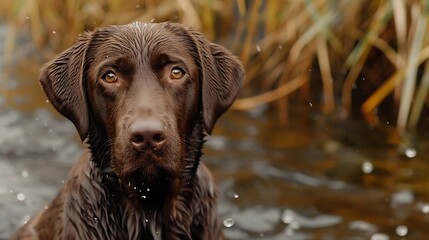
{"x":62,"y":81}
{"x":222,"y":78}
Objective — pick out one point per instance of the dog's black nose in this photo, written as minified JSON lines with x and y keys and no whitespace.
{"x":147,"y":135}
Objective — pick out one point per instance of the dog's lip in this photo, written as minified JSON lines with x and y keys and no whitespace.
{"x":143,"y":163}
{"x":150,"y":155}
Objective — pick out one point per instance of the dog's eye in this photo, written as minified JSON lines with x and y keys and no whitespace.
{"x":110,"y":77}
{"x":176,"y":73}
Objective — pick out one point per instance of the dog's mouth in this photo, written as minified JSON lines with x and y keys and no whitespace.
{"x":147,"y":165}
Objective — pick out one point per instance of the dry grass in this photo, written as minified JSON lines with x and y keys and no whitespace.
{"x":323,"y":49}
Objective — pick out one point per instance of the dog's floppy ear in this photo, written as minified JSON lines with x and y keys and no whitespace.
{"x":62,"y":81}
{"x":222,"y":78}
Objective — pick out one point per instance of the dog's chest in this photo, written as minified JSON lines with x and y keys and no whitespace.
{"x":94,"y":210}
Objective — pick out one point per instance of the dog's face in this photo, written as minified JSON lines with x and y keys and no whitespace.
{"x":143,"y":87}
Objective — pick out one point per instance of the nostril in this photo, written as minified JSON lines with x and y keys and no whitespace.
{"x":159,"y":140}
{"x":137,"y":138}
{"x":159,"y":137}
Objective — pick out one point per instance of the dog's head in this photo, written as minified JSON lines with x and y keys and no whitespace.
{"x":142,"y":87}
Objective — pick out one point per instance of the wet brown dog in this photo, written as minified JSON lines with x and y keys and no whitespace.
{"x":143,"y":96}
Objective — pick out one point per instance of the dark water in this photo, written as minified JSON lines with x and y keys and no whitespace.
{"x":308,"y":179}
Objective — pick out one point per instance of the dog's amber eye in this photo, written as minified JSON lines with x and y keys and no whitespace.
{"x":110,"y":77}
{"x":176,"y":73}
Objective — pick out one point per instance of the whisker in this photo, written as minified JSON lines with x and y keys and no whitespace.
{"x":105,"y":150}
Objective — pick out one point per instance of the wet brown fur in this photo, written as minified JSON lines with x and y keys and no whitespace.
{"x":115,"y":192}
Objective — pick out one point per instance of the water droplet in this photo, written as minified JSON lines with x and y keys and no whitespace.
{"x":148,"y":190}
{"x":62,"y":181}
{"x":379,"y":236}
{"x":26,"y":218}
{"x":258,"y":48}
{"x":95,"y":218}
{"x":362,"y":226}
{"x":387,"y":122}
{"x":236,"y":195}
{"x":135,"y":188}
{"x":288,"y":216}
{"x":143,"y":197}
{"x":147,"y":220}
{"x":47,"y":101}
{"x":229,"y":222}
{"x":152,"y":20}
{"x":27,"y":17}
{"x":54,"y":32}
{"x":24,"y":174}
{"x":20,"y":196}
{"x":402,"y":197}
{"x":401,"y":230}
{"x":367,"y":167}
{"x":423,"y":207}
{"x":410,"y":152}
{"x":311,"y":104}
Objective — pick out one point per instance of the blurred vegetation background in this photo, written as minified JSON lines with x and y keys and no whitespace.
{"x":360,"y":58}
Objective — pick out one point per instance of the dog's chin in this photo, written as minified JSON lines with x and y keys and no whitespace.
{"x":148,"y":168}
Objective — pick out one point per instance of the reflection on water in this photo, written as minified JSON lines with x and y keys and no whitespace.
{"x":309,"y":179}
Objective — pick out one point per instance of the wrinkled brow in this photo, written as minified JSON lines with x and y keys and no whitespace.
{"x":123,"y":64}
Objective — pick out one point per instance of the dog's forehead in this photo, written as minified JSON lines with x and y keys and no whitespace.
{"x":142,"y":26}
{"x":143,"y":39}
